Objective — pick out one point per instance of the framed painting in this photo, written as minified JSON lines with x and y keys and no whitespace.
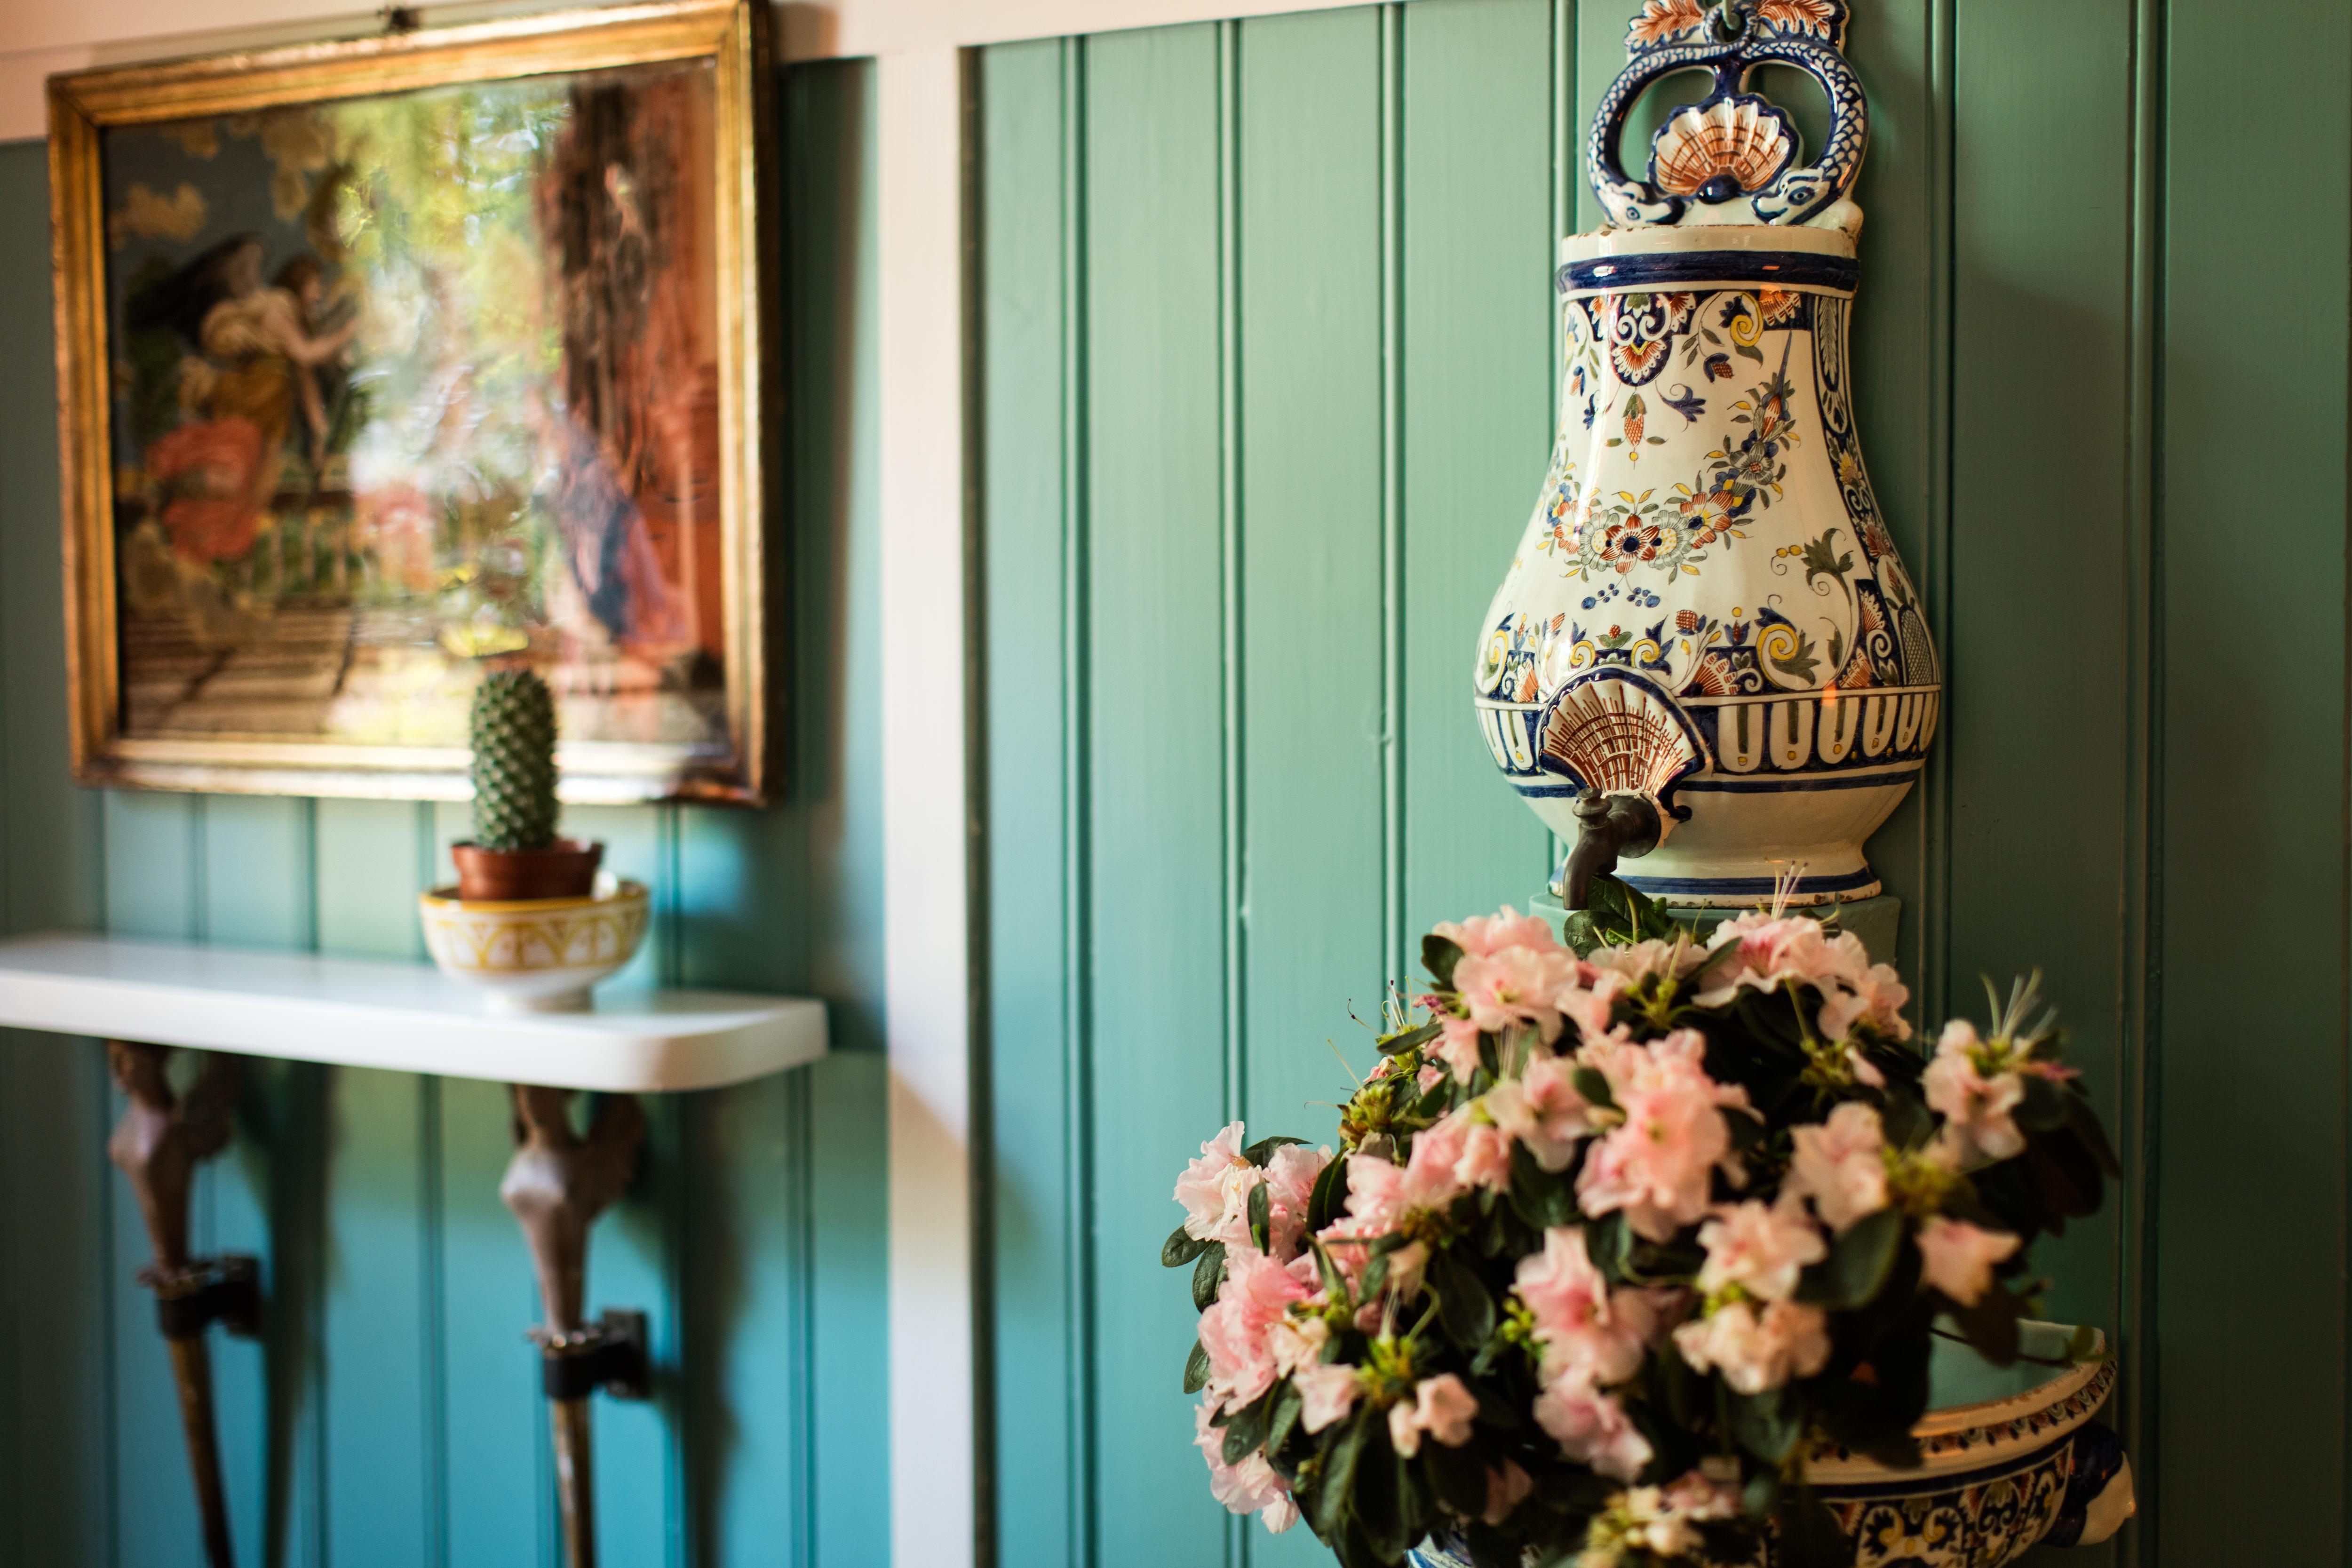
{"x":386,"y":362}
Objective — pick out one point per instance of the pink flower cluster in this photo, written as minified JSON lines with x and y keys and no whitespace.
{"x":1591,"y":1336}
{"x":1768,"y":951}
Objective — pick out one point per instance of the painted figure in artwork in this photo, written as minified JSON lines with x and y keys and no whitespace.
{"x":410,"y":381}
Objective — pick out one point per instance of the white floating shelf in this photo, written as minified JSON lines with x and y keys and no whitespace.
{"x":404,"y":1016}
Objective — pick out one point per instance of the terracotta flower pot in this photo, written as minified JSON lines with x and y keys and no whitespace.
{"x":564,"y":869}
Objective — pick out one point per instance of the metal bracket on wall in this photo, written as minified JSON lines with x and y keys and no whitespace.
{"x":557,"y":1184}
{"x":609,"y":1354}
{"x":159,"y":1142}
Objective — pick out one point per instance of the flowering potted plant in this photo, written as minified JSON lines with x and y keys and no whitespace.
{"x":1625,"y":1238}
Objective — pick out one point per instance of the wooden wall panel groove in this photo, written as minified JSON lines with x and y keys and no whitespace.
{"x":391,"y":1414}
{"x":2055,"y":431}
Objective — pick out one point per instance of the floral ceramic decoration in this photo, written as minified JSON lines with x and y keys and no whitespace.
{"x":1707,"y":618}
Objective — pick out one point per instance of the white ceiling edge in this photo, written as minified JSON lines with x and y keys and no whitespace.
{"x":39,"y":38}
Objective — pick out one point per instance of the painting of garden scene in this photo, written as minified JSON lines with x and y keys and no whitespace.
{"x":407,"y":387}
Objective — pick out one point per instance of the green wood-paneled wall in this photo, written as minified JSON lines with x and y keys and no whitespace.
{"x":389,"y":1415}
{"x":1264,"y":333}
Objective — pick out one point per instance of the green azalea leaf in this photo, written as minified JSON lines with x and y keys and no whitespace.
{"x":2043,"y":1107}
{"x":1406,"y":1039}
{"x":1594,"y":1087}
{"x":1375,"y":1276}
{"x":1337,"y":1489}
{"x":1809,"y":1536}
{"x":1439,"y":955}
{"x":1196,"y":1369}
{"x":1768,"y":1425}
{"x":1457,"y":1476}
{"x":1990,"y":1326}
{"x":1465,"y":1306}
{"x":1857,"y":1264}
{"x":1283,"y":1420}
{"x":1261,"y":1217}
{"x":1246,"y":1428}
{"x":1207,"y":1275}
{"x":1580,"y":933}
{"x":1333,"y":1280}
{"x":1259,"y":1153}
{"x":2085,"y":1123}
{"x":1181,"y":1249}
{"x":1330,"y":1195}
{"x":1761,"y":1499}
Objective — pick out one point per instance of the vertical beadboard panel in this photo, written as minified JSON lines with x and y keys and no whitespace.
{"x":495,"y":1478}
{"x":2250,"y":1244}
{"x":1310,"y":206}
{"x":55,"y":1337}
{"x":1475,"y":253}
{"x":1900,"y":346}
{"x":1154,"y":739}
{"x":1033,"y":1200}
{"x":2040,"y":385}
{"x":153,"y":888}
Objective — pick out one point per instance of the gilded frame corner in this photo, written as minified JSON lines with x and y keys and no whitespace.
{"x":734,"y":36}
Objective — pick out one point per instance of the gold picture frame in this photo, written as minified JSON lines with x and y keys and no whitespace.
{"x":523,"y":344}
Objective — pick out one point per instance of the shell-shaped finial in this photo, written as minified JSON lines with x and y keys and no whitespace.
{"x":1721,"y":148}
{"x":1618,"y":735}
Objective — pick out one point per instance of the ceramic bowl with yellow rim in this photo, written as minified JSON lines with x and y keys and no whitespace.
{"x":535,"y":955}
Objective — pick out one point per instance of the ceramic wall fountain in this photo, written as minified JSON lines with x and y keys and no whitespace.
{"x":1707,"y":656}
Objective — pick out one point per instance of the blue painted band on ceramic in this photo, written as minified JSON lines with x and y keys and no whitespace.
{"x":1779,"y":268}
{"x":1804,"y":782}
{"x":1744,"y":887}
{"x":1561,"y":789}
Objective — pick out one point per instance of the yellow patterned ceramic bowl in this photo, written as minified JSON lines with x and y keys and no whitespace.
{"x":535,"y":955}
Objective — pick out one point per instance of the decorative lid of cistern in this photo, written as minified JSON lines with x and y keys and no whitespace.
{"x":1733,"y":157}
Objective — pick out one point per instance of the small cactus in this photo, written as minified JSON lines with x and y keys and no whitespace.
{"x":514,"y":762}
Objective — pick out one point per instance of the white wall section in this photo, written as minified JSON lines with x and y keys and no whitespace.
{"x":919,"y":106}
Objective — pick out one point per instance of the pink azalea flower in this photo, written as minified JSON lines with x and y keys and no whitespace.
{"x":1586,"y":1004}
{"x":1431,"y":1074}
{"x":1958,"y":1258}
{"x":1430,"y":1181}
{"x":1841,"y":1165}
{"x":1440,"y":1407}
{"x":1326,"y":1394}
{"x":1486,"y":1157}
{"x":1481,"y":935}
{"x":1249,"y":1487}
{"x":1290,"y":1175}
{"x":1658,"y":1164}
{"x":1976,"y":1104}
{"x":1757,"y":1350}
{"x":1376,"y":1200}
{"x":1456,"y":1045}
{"x":1875,"y":997}
{"x":1762,"y":1250}
{"x":1506,"y":1489}
{"x":1215,"y":1187}
{"x":1592,"y":1427}
{"x":1762,"y":951}
{"x":1541,"y":1109}
{"x":1236,"y":1330}
{"x":1587,"y":1329}
{"x":1639,"y":960}
{"x":1664,"y":1520}
{"x":1514,"y":986}
{"x":1297,"y":1342}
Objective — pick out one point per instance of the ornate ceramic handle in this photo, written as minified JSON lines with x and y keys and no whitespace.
{"x":1733,"y":145}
